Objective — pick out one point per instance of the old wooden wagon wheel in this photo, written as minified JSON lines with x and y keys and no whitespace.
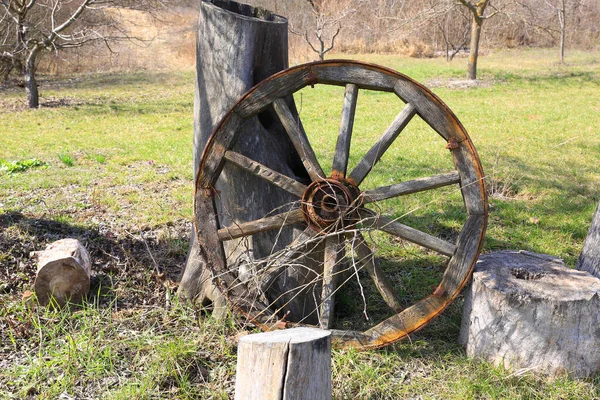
{"x":332,"y":211}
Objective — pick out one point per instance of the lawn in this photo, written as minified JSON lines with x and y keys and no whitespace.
{"x":115,"y":170}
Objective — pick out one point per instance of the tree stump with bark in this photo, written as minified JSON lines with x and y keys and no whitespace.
{"x":528,"y":311}
{"x":63,"y":273}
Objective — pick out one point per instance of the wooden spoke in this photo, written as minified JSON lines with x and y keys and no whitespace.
{"x":365,"y":165}
{"x":261,"y":225}
{"x":334,"y":253}
{"x":413,"y":235}
{"x":299,"y":139}
{"x":413,"y":186}
{"x":342,"y":148}
{"x":284,"y":182}
{"x":383,"y":285}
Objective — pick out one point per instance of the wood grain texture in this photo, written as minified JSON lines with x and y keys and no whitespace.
{"x":409,"y":187}
{"x":334,"y":253}
{"x":385,"y":224}
{"x":266,"y":173}
{"x":286,"y":364}
{"x":261,"y":225}
{"x":212,"y":256}
{"x":63,"y":273}
{"x":431,"y":109}
{"x":342,"y":147}
{"x":529,"y":311}
{"x":275,"y":87}
{"x":472,"y":182}
{"x":364,"y":76}
{"x":382,"y":283}
{"x":461,"y":264}
{"x":365,"y":165}
{"x":589,"y":259}
{"x":299,"y":139}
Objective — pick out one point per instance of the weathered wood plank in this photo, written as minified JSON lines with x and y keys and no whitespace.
{"x":400,"y":325}
{"x":381,"y":281}
{"x":286,"y":364}
{"x":210,"y":254}
{"x":261,"y":225}
{"x":461,"y":264}
{"x":342,"y":148}
{"x":589,"y":259}
{"x":472,"y":182}
{"x":334,"y":253}
{"x":218,"y":144}
{"x":284,"y":182}
{"x":365,"y":165}
{"x":364,"y":76}
{"x":275,"y":87}
{"x":430,"y":108}
{"x":299,"y":139}
{"x":412,"y":186}
{"x":385,"y":224}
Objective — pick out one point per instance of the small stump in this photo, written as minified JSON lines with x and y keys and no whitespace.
{"x":528,"y":311}
{"x":286,"y":364}
{"x":63,"y":273}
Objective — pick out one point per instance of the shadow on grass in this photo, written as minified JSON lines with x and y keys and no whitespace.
{"x":130,"y":269}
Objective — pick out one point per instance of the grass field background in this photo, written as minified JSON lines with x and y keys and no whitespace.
{"x":118,"y":171}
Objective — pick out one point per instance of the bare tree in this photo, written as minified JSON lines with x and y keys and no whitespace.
{"x":31,"y":28}
{"x":323,"y":24}
{"x":477,"y":9}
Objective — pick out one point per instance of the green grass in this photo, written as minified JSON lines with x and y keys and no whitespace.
{"x":535,"y":125}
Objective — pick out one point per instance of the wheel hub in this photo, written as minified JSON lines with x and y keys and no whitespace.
{"x":327,"y":202}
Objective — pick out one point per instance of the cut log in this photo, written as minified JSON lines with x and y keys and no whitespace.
{"x":589,"y":259}
{"x":63,"y":273}
{"x":287,"y":364}
{"x":528,"y":311}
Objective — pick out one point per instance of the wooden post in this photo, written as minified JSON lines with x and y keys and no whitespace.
{"x":589,"y":259}
{"x":63,"y":273}
{"x":238,"y":46}
{"x":286,"y":364}
{"x":529,"y":311}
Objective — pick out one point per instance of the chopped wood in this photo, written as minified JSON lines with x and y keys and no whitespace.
{"x":286,"y":364}
{"x":63,"y":273}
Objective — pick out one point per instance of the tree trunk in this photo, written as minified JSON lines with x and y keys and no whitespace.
{"x":30,"y":81}
{"x":529,"y":311}
{"x":238,"y":46}
{"x":476,"y":24}
{"x":589,"y":259}
{"x":563,"y":30}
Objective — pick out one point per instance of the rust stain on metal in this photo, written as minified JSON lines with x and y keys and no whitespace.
{"x":452,"y":144}
{"x":311,"y":78}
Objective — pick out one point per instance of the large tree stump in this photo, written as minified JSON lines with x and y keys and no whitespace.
{"x":528,"y":311}
{"x":239,"y":46}
{"x":63,"y":273}
{"x":589,"y":259}
{"x":287,"y":364}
